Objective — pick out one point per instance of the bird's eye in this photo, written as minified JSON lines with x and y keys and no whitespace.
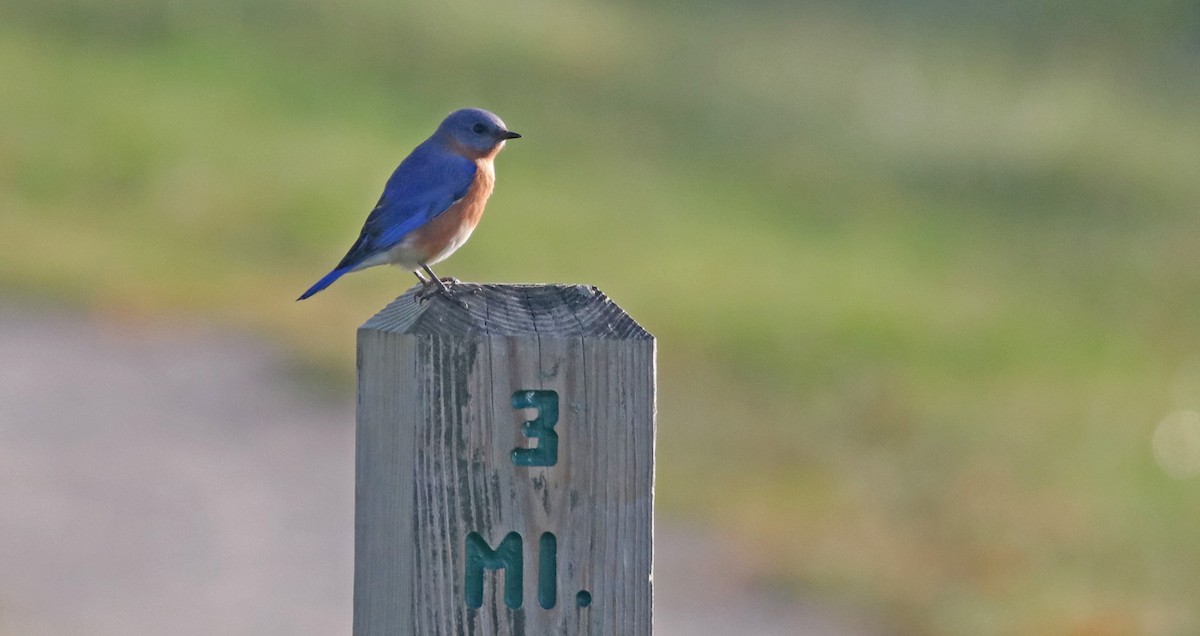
{"x":478,"y":129}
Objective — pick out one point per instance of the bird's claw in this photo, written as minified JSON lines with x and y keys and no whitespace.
{"x":432,"y":289}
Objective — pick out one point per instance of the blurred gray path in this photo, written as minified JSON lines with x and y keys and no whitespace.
{"x":158,"y":483}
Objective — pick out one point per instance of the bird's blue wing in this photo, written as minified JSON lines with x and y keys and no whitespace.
{"x":424,"y":185}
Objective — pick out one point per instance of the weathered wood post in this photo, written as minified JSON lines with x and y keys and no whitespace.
{"x":505,"y":466}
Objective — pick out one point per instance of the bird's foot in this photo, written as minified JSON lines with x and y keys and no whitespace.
{"x":441,"y":287}
{"x":458,"y":287}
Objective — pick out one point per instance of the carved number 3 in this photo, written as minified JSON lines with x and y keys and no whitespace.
{"x":540,"y":429}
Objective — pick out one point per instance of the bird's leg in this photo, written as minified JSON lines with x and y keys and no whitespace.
{"x":436,"y":281}
{"x":427,"y":287}
{"x":441,"y":287}
{"x":446,"y":282}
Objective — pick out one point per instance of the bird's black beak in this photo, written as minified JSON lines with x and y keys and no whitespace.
{"x":508,"y":134}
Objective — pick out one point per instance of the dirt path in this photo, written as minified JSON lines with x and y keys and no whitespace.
{"x":159,"y":483}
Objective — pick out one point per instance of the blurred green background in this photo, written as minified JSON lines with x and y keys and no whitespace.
{"x":925,"y":275}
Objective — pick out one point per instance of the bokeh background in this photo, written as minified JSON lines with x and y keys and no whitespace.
{"x":925,"y":275}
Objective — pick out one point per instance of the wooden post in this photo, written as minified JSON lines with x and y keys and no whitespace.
{"x":505,"y":466}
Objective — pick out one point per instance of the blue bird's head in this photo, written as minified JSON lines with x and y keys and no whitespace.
{"x":474,"y":132}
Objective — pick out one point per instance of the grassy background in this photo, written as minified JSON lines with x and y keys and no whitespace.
{"x":926,"y":279}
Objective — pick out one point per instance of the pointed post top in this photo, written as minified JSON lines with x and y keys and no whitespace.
{"x":510,"y":310}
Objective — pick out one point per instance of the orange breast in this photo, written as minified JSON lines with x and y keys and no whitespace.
{"x":447,"y":231}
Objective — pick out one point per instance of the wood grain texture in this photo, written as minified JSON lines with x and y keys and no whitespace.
{"x":436,"y":431}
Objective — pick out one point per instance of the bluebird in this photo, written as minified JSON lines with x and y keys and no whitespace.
{"x":432,"y":202}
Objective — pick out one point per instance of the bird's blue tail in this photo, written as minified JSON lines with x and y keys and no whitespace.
{"x":325,"y":281}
